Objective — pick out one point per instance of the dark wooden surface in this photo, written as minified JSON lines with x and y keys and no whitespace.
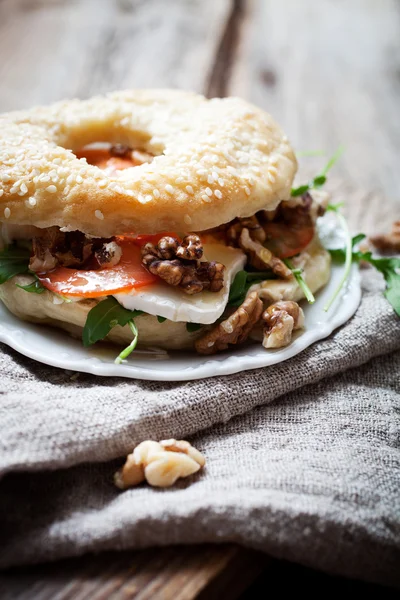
{"x":328,"y":70}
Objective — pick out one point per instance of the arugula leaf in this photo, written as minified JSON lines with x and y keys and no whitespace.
{"x":129,"y":349}
{"x":161,"y":319}
{"x":321,"y":178}
{"x":13,"y":261}
{"x":389,"y":267}
{"x":242,"y":282}
{"x":103,"y":317}
{"x":193,"y":327}
{"x":298,"y":274}
{"x":35,"y":287}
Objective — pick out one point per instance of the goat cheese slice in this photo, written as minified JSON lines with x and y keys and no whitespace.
{"x":172,"y":303}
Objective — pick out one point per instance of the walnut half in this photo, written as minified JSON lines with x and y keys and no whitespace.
{"x":281,"y":319}
{"x":261,"y":258}
{"x":177,"y":263}
{"x":233,"y":330}
{"x":159,"y":463}
{"x":389,"y":242}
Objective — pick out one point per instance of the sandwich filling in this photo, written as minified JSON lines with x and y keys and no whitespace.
{"x":195,"y":278}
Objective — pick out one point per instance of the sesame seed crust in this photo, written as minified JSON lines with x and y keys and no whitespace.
{"x":209,"y":154}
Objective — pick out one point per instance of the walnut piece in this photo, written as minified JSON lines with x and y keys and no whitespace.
{"x":389,"y":242}
{"x":177,"y":263}
{"x":160,"y":464}
{"x":261,"y":258}
{"x":233,"y":330}
{"x":108,"y":255}
{"x":251,"y":223}
{"x":281,"y":319}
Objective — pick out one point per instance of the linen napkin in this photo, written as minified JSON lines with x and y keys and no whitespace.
{"x":312,"y":475}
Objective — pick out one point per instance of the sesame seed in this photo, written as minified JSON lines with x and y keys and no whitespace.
{"x":220,"y":182}
{"x":208,"y":191}
{"x":215,"y":175}
{"x":271,"y":178}
{"x":148,"y":198}
{"x":1,"y":192}
{"x":156,"y":193}
{"x":99,"y":215}
{"x":179,"y":180}
{"x":187,"y":219}
{"x":169,"y":189}
{"x":189,"y":189}
{"x":32,"y":201}
{"x":7,"y":212}
{"x":247,"y":190}
{"x":23,"y":188}
{"x":218,"y":194}
{"x":79,"y":179}
{"x":210,"y":179}
{"x":5,"y":177}
{"x":102,"y":183}
{"x":52,"y":189}
{"x":206,"y":198}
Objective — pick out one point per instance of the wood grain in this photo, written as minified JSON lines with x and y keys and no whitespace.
{"x":328,"y":70}
{"x":55,"y":49}
{"x":169,"y":573}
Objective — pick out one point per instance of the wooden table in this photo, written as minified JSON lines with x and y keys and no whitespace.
{"x":328,"y":70}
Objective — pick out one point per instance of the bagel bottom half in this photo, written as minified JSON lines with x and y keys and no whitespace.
{"x":46,"y":308}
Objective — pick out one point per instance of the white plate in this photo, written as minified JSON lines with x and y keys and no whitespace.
{"x":58,"y":349}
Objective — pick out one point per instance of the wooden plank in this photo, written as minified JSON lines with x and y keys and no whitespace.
{"x":174,"y":573}
{"x":53,"y":49}
{"x":329,"y":72}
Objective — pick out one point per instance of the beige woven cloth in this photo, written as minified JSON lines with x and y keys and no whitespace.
{"x":311,"y":475}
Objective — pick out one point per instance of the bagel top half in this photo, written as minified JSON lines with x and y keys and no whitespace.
{"x":214,"y":160}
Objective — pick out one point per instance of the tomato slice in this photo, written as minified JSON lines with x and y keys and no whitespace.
{"x":285,"y":241}
{"x":126,"y":275}
{"x":101,"y":158}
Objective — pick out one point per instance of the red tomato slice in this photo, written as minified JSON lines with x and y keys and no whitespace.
{"x":285,"y":241}
{"x":126,"y":275}
{"x":101,"y":158}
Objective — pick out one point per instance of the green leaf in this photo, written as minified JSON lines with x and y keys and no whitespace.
{"x":392,"y":291}
{"x":299,"y":191}
{"x":129,"y":349}
{"x":389,"y":267}
{"x":320,"y":179}
{"x":190,"y":327}
{"x":332,"y":161}
{"x":103,"y":317}
{"x":300,"y":280}
{"x":161,"y":319}
{"x":242,"y":282}
{"x":13,"y":261}
{"x":35,"y":287}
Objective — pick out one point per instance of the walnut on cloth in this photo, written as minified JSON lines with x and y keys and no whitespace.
{"x":261,"y":258}
{"x":281,"y":319}
{"x":389,"y":242}
{"x":235,"y":329}
{"x":159,"y":463}
{"x":178,"y":263}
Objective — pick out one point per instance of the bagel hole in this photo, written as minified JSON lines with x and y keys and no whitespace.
{"x":113,"y":158}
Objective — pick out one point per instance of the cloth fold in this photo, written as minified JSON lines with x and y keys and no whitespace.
{"x":312,"y":477}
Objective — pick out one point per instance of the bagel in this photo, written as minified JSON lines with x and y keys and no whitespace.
{"x":153,"y":214}
{"x":214,"y":160}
